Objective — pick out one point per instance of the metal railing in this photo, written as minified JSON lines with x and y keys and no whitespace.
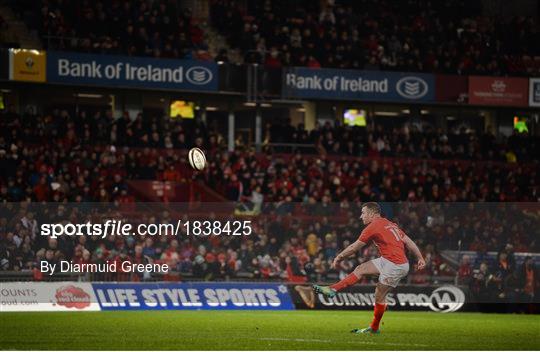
{"x":241,"y":276}
{"x":291,"y":148}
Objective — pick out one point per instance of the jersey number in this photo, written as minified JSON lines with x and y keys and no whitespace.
{"x":395,"y":232}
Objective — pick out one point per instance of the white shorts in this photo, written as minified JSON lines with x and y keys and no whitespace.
{"x":390,"y":273}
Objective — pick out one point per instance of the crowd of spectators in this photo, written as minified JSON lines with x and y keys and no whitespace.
{"x":60,"y":156}
{"x":286,"y":247}
{"x":3,"y":29}
{"x":408,"y":140}
{"x":281,"y":247}
{"x":319,"y":179}
{"x":297,"y":200}
{"x":453,"y":37}
{"x":502,"y":280}
{"x":157,"y":28}
{"x":65,"y":156}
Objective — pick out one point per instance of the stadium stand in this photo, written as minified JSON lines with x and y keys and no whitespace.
{"x":409,"y":140}
{"x":430,"y":175}
{"x":58,"y":156}
{"x":286,"y":248}
{"x":61,"y":156}
{"x":137,"y":28}
{"x":420,"y":36}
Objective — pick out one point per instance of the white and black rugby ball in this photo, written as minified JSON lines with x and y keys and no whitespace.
{"x":197,"y":159}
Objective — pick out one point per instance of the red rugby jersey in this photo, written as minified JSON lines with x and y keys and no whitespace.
{"x":388,"y":238}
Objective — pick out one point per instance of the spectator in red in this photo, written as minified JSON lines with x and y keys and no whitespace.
{"x":531,"y":279}
{"x":42,"y":190}
{"x":172,"y":174}
{"x":313,"y":62}
{"x":170,"y":256}
{"x":273,"y":59}
{"x":465,"y":271}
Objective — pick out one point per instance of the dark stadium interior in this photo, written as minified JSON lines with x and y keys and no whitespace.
{"x":421,"y":36}
{"x":460,"y":179}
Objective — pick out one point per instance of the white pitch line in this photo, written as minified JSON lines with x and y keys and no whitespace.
{"x":350,"y":342}
{"x":287,"y":339}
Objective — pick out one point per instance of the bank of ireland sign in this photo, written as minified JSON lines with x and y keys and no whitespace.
{"x":123,"y":71}
{"x":303,"y":82}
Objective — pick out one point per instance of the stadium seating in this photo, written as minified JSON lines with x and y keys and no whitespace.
{"x":295,"y":168}
{"x":396,"y":166}
{"x":137,"y":28}
{"x":408,"y":140}
{"x":308,"y":201}
{"x":421,"y":36}
{"x":89,"y":158}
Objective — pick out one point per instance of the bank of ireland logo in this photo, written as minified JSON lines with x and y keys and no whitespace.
{"x":199,"y":75}
{"x":412,"y":87}
{"x":446,"y":299}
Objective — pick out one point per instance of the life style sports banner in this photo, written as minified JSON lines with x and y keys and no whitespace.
{"x":193,"y":296}
{"x":123,"y":71}
{"x":74,"y":296}
{"x":303,"y":82}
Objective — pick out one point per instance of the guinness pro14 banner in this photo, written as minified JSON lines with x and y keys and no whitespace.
{"x":442,"y":299}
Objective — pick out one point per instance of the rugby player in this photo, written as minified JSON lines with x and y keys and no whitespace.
{"x":391,"y":266}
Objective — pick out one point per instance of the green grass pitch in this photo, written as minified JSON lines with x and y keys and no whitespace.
{"x":257,"y":330}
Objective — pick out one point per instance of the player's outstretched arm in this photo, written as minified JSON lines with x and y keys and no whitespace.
{"x":414,"y":248}
{"x":347,"y":252}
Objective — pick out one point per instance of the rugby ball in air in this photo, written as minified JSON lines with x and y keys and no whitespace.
{"x":197,"y":159}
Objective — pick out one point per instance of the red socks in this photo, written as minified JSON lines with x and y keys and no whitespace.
{"x":379,"y":309}
{"x":349,"y":280}
{"x":378,"y":312}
